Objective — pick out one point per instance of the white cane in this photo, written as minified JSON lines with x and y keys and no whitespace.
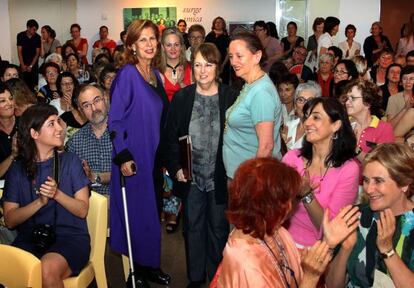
{"x":131,"y":260}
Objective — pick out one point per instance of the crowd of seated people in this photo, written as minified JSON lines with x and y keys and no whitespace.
{"x":324,"y":116}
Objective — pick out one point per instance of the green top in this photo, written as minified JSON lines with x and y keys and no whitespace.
{"x":365,"y":257}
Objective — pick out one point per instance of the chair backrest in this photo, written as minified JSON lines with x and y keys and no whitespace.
{"x":19,"y":268}
{"x":97,"y":220}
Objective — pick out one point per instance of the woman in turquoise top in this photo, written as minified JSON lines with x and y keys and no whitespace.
{"x":380,"y":253}
{"x":253,"y":122}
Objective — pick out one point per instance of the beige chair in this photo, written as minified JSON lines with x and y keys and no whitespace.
{"x":97,"y":224}
{"x":19,"y":268}
{"x":22,"y":267}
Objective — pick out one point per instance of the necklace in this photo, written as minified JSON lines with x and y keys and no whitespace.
{"x":174,"y":70}
{"x":147,"y":75}
{"x":245,"y":90}
{"x":282,"y":263}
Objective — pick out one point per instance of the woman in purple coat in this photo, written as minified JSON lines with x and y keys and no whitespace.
{"x":135,"y":120}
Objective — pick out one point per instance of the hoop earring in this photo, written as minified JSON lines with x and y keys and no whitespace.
{"x":335,"y":136}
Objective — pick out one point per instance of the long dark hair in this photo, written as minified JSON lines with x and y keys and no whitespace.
{"x":67,"y":74}
{"x":33,"y":118}
{"x":344,"y":142}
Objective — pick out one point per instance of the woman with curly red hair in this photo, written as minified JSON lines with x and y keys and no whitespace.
{"x":259,"y":251}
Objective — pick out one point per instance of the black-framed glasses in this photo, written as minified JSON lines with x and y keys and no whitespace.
{"x":303,"y":100}
{"x":88,"y":106}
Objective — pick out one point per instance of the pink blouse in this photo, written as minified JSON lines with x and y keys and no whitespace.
{"x":247,"y":262}
{"x":338,"y":188}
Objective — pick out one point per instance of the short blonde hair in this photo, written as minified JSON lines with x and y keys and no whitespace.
{"x":398,"y":159}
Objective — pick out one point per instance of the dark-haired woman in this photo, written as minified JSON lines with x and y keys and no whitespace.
{"x":8,"y":129}
{"x":74,"y":118}
{"x":392,"y":84}
{"x":32,"y":198}
{"x":326,"y":163}
{"x":272,"y":46}
{"x":49,"y":42}
{"x":219,"y":37}
{"x":49,"y":91}
{"x":292,"y":40}
{"x":259,"y":251}
{"x":330,"y":28}
{"x":106,"y":77}
{"x":67,"y":86}
{"x":80,"y":43}
{"x":349,"y":47}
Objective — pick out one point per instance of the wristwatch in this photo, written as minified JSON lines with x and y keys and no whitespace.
{"x":388,"y":254}
{"x":97,"y":179}
{"x":308,"y":198}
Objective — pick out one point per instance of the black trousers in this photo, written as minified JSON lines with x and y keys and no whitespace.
{"x":206,"y":231}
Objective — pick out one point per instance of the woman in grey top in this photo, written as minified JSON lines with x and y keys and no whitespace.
{"x":198,"y":110}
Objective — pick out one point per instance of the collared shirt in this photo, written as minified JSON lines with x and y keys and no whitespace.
{"x":96,"y":151}
{"x":376,"y":133}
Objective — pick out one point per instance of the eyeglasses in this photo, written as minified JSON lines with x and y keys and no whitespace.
{"x":88,"y":106}
{"x":303,"y":100}
{"x":66,"y":84}
{"x":50,"y":73}
{"x":340,"y":72}
{"x":109,"y":76}
{"x":411,"y":79}
{"x":351,"y":98}
{"x":10,"y":75}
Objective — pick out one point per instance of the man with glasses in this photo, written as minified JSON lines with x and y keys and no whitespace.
{"x":92,"y":142}
{"x":299,"y":68}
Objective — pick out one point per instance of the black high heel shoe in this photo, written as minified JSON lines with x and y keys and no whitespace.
{"x":156,"y":275}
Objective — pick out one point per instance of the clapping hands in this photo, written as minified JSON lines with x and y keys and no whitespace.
{"x":342,"y":228}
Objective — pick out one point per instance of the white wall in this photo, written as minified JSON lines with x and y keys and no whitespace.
{"x":5,"y":46}
{"x":59,"y":14}
{"x":360,"y":13}
{"x":91,"y":14}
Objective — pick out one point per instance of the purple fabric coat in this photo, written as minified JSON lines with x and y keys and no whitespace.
{"x":134,"y":123}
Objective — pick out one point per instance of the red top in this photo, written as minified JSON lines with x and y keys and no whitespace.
{"x":83,"y":41}
{"x":110,"y":44}
{"x":170,"y":88}
{"x":325,"y":84}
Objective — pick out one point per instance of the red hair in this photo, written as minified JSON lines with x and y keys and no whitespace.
{"x":261,"y":195}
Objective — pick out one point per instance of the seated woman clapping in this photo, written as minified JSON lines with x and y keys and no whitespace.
{"x":259,"y":251}
{"x":380,"y":252}
{"x":49,"y":214}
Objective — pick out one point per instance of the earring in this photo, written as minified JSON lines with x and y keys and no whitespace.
{"x":134,"y":52}
{"x":335,"y":136}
